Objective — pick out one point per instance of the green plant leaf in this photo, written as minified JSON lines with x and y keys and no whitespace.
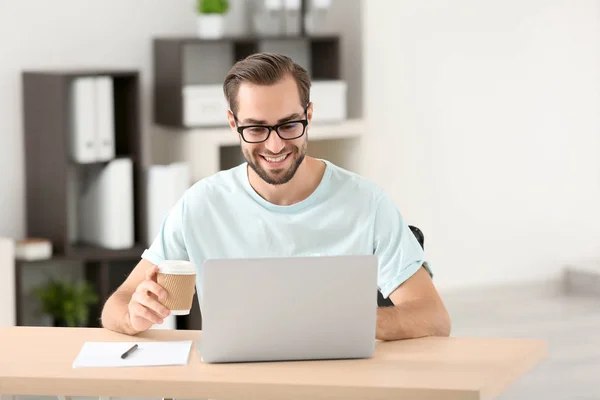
{"x":212,"y":6}
{"x":66,"y":301}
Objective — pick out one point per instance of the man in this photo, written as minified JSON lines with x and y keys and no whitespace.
{"x":284,"y":203}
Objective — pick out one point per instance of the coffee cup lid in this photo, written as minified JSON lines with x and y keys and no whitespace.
{"x":177,"y":267}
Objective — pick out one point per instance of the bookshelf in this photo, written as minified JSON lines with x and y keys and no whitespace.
{"x":180,"y":62}
{"x":47,"y":99}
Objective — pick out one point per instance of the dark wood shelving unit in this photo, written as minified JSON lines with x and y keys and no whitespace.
{"x":170,"y":66}
{"x":46,"y":100}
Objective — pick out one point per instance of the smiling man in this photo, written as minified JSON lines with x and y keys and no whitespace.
{"x":283,"y":203}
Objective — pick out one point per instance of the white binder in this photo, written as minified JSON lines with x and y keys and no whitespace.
{"x":105,"y":119}
{"x":92,"y":133}
{"x":82,"y":120}
{"x":106,"y":205}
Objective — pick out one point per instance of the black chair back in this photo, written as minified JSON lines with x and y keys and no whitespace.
{"x":383,"y":302}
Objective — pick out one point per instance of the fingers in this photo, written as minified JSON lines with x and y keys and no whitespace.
{"x":149,"y":302}
{"x":154,"y":288}
{"x":144,"y":305}
{"x":137,"y":310}
{"x":151,"y":273}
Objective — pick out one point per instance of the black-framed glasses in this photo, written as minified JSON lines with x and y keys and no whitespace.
{"x":288,"y":130}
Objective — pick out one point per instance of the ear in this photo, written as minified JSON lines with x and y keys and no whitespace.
{"x":231,"y":121}
{"x":309,"y":112}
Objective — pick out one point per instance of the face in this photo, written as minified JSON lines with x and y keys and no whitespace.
{"x":275,"y":160}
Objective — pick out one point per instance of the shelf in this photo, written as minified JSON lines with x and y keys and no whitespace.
{"x":183,"y":61}
{"x":92,"y":253}
{"x":83,"y":252}
{"x":243,"y":39}
{"x":134,"y":159}
{"x":76,"y":73}
{"x":223,"y":136}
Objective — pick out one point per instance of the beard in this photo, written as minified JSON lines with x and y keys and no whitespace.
{"x":277,"y":176}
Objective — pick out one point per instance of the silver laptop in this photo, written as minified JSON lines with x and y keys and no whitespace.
{"x":276,"y":309}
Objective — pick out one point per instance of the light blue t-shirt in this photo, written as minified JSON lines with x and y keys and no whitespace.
{"x":222,"y":216}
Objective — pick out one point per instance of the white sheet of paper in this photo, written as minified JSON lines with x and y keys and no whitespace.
{"x":108,"y":354}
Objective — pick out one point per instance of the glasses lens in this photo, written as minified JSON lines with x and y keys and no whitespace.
{"x":255,"y":133}
{"x":292,"y":130}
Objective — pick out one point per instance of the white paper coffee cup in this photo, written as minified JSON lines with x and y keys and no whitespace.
{"x":178,"y":278}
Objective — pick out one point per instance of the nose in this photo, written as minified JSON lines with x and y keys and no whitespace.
{"x":274,"y":143}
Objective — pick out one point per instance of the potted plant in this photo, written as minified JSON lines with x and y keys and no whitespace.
{"x":211,"y":15}
{"x":67,"y":302}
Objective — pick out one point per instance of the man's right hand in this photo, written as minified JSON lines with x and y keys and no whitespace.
{"x":144,"y":307}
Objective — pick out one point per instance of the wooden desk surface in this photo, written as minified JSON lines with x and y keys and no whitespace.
{"x":38,"y":361}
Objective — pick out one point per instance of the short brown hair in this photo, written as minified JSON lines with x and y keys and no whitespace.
{"x":265,"y":69}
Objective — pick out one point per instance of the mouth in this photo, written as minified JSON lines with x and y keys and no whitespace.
{"x":276,"y":161}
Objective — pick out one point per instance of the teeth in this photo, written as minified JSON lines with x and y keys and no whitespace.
{"x":269,"y":159}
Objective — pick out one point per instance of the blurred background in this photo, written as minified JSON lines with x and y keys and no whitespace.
{"x":480,"y":118}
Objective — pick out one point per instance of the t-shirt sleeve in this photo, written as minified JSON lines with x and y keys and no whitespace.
{"x":169,"y":244}
{"x":399,"y":253}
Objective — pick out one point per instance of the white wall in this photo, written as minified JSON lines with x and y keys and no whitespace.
{"x":485,"y":129}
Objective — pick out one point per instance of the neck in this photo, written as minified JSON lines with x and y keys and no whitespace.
{"x":303,"y":184}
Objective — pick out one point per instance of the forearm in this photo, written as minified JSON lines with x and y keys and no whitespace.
{"x":413,"y":319}
{"x":115,"y":314}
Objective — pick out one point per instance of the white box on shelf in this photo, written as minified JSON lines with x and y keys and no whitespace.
{"x":106,"y":205}
{"x":33,"y":249}
{"x":329,"y":99}
{"x":165,"y":186}
{"x":204,"y":105}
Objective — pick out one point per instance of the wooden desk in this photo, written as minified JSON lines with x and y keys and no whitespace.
{"x":37,"y":361}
